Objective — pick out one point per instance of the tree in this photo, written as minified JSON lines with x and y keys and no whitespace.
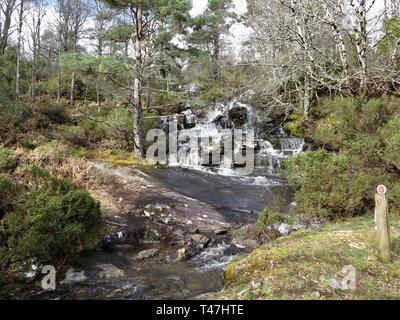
{"x":37,"y":15}
{"x":7,"y":8}
{"x":148,"y":18}
{"x":314,"y":47}
{"x":209,"y":28}
{"x":71,"y":20}
{"x":21,"y":11}
{"x":102,"y":18}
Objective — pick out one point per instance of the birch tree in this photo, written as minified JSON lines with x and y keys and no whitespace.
{"x":35,"y":23}
{"x":21,"y":11}
{"x":72,"y":17}
{"x":7,"y":8}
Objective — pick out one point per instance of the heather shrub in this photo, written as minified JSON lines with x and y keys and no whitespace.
{"x":8,"y":160}
{"x":53,"y":223}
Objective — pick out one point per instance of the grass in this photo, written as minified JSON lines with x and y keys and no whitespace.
{"x":301,"y":265}
{"x":117,"y":157}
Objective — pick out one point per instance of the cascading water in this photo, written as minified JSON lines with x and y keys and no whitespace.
{"x":213,"y":125}
{"x":169,"y":204}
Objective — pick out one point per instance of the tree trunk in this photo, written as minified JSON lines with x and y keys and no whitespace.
{"x":137,"y":85}
{"x":18,"y":75}
{"x":341,"y":47}
{"x":302,"y":33}
{"x":362,"y":44}
{"x":307,"y":98}
{"x":215,"y":58}
{"x":100,"y":54}
{"x":33,"y":76}
{"x":58,"y":59}
{"x":71,"y":98}
{"x":9,"y":8}
{"x":98,"y":97}
{"x":58,"y":79}
{"x":36,"y":47}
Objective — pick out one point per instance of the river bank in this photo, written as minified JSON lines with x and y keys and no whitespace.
{"x":164,"y":236}
{"x":338,"y":262}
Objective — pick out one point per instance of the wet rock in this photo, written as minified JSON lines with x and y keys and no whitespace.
{"x":110,"y":271}
{"x":72,"y":276}
{"x":34,"y":270}
{"x":220,"y":231}
{"x":147,"y":254}
{"x":211,"y":243}
{"x":182,"y":255}
{"x":179,"y":233}
{"x":232,"y":250}
{"x":200,"y":240}
{"x":246,"y":244}
{"x":238,"y":115}
{"x":105,"y":242}
{"x":148,"y":214}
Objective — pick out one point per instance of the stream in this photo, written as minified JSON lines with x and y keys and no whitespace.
{"x":186,"y":201}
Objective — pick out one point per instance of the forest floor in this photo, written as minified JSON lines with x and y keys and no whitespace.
{"x":311,"y":264}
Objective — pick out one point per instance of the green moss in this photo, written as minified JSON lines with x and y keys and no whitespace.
{"x":117,"y":157}
{"x":296,"y":125}
{"x":297,"y":266}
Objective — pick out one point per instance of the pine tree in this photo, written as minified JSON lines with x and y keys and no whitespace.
{"x":209,"y":28}
{"x":148,"y":18}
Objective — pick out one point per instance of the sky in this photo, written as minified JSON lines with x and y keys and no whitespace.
{"x":239,"y":33}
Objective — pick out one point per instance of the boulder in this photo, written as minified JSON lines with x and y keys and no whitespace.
{"x":248,"y":244}
{"x":200,"y":240}
{"x":109,"y":271}
{"x":238,"y":115}
{"x":147,"y":254}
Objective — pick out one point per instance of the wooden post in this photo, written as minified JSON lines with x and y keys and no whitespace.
{"x":382,"y":227}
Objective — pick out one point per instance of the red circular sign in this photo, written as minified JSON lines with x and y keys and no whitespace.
{"x":382,"y":189}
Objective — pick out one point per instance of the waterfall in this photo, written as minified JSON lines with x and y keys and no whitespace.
{"x":206,"y":133}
